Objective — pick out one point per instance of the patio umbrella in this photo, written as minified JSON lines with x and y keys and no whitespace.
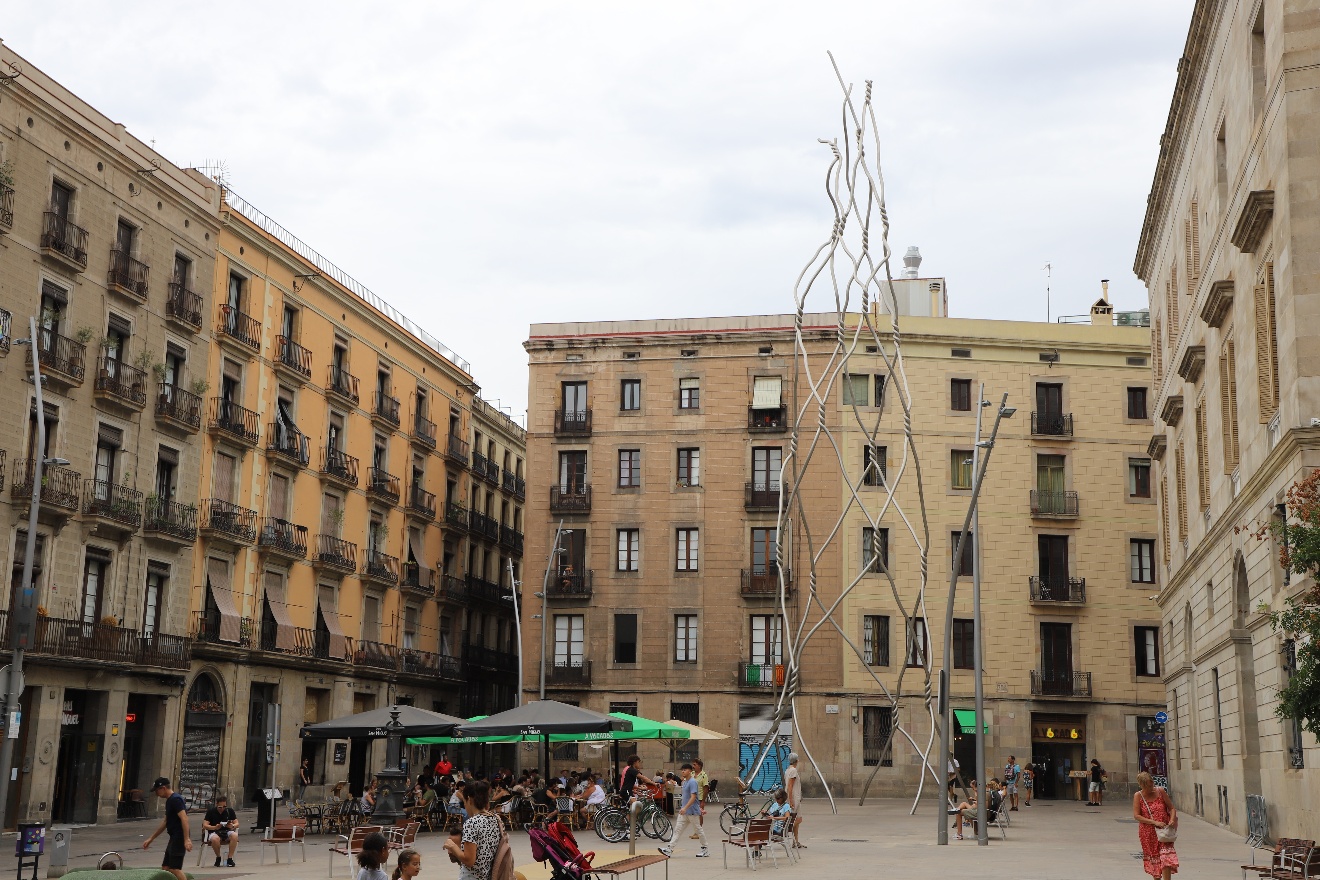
{"x":371,"y":725}
{"x":542,"y":719}
{"x":694,"y":733}
{"x":461,"y":740}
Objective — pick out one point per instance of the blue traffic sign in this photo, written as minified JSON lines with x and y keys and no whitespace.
{"x":1161,"y":717}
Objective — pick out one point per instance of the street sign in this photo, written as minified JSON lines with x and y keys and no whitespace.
{"x":1162,"y":717}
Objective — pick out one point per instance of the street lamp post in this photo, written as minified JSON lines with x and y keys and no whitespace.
{"x":544,"y":597}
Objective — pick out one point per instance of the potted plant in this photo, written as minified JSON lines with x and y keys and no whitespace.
{"x":199,"y":386}
{"x":7,"y":173}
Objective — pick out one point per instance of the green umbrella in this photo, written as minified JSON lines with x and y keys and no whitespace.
{"x":643,"y":728}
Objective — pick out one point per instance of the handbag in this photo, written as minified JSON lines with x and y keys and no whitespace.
{"x":1167,"y":834}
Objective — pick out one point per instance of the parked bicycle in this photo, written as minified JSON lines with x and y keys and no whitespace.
{"x":738,"y":813}
{"x":611,"y":822}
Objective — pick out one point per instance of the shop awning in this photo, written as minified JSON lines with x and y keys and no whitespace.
{"x":285,"y":639}
{"x":217,"y":578}
{"x":966,"y":721}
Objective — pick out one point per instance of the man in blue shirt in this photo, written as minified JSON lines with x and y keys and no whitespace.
{"x":689,"y":815}
{"x":176,"y":824}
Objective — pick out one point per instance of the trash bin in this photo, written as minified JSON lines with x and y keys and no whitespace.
{"x":60,"y":838}
{"x":267,"y":799}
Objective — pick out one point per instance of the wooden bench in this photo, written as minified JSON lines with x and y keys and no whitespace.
{"x":286,"y":831}
{"x":350,"y":845}
{"x":632,"y":865}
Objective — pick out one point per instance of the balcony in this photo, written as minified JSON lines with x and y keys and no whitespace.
{"x":1054,"y":505}
{"x":76,"y":643}
{"x":456,"y":515}
{"x":492,"y":473}
{"x":763,"y":583}
{"x":485,"y":526}
{"x":380,"y":568}
{"x":383,"y":484}
{"x":456,"y":450}
{"x":64,"y":242}
{"x":339,"y":467}
{"x":128,"y":276}
{"x":386,"y":410}
{"x":573,"y":423}
{"x":569,"y":674}
{"x":1060,"y":683}
{"x":229,"y":522}
{"x":421,"y":503}
{"x":60,"y":487}
{"x":178,"y":409}
{"x":570,"y":584}
{"x":335,"y":554}
{"x":772,"y":420}
{"x":169,"y":521}
{"x":450,"y":668}
{"x":6,"y":331}
{"x":482,"y":590}
{"x":452,"y":588}
{"x":514,"y":485}
{"x":120,"y":384}
{"x":1058,"y":590}
{"x":1051,"y":424}
{"x":418,"y":579}
{"x":758,"y":676}
{"x":287,"y":445}
{"x":570,"y":499}
{"x":425,"y":663}
{"x":6,"y":208}
{"x":423,"y":433}
{"x":511,"y":540}
{"x":292,"y":360}
{"x":206,"y":630}
{"x":489,"y":658}
{"x":311,"y":643}
{"x":117,"y":508}
{"x":63,"y":360}
{"x":282,"y":538}
{"x":184,"y":307}
{"x":344,"y":385}
{"x":759,"y":497}
{"x":230,"y":420}
{"x":375,"y":655}
{"x":479,"y":465}
{"x":241,"y":329}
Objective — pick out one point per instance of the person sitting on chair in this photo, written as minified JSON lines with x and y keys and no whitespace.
{"x":779,"y":810}
{"x":220,"y":826}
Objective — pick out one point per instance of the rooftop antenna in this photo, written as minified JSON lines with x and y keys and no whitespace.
{"x":1048,"y":272}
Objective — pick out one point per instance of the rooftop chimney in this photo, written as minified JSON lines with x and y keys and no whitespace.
{"x":1102,"y":313}
{"x":911,"y":262}
{"x":1104,"y":289}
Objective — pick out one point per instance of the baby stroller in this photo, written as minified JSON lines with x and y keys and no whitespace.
{"x":555,"y":844}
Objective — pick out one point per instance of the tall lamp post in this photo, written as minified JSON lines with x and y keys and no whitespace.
{"x":555,"y":551}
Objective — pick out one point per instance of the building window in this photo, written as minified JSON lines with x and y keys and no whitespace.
{"x":856,"y":390}
{"x":630,"y":468}
{"x":93,"y":593}
{"x":157,"y":579}
{"x":1136,"y":404}
{"x":918,"y":643}
{"x":572,"y":473}
{"x":964,"y":645}
{"x":767,"y":639}
{"x":875,"y":639}
{"x":875,"y":465}
{"x":877,"y":736}
{"x":767,"y":462}
{"x":686,"y":713}
{"x":964,"y":565}
{"x":1138,"y":477}
{"x":1147,"y":639}
{"x":960,"y":468}
{"x":1143,"y":560}
{"x":625,"y":638}
{"x":875,"y":549}
{"x":765,"y":550}
{"x":689,"y":393}
{"x":689,"y":467}
{"x":685,"y":638}
{"x":568,"y":639}
{"x":880,"y":390}
{"x":960,"y":395}
{"x":574,"y":400}
{"x":687,"y":550}
{"x":629,"y":542}
{"x":630,"y":397}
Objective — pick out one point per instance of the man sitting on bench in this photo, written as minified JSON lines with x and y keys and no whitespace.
{"x":219,"y":827}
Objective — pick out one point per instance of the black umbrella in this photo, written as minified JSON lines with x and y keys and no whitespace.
{"x":371,"y":725}
{"x":540,"y":719}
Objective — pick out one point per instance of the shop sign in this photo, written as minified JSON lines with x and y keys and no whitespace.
{"x":1049,"y":731}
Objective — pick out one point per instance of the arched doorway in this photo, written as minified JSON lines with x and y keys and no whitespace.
{"x":203,"y":729}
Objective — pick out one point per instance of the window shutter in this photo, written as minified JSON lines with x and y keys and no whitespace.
{"x":1202,"y":459}
{"x":1157,"y":350}
{"x":1264,"y":357}
{"x":1196,"y":243}
{"x":1173,"y":305}
{"x":1187,"y":255}
{"x":766,"y":392}
{"x":1164,"y":518}
{"x":1226,"y":414}
{"x":1180,"y":472}
{"x":1271,"y":313}
{"x":1232,"y":401}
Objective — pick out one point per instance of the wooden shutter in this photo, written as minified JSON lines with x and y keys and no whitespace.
{"x":1173,"y":305}
{"x":1226,"y":415}
{"x":1180,"y":473}
{"x":1271,"y":314}
{"x":1202,"y":459}
{"x":222,"y":480}
{"x":1187,"y":255}
{"x":1195,"y":221}
{"x":1232,"y":400}
{"x":1164,"y":517}
{"x":1267,"y":358}
{"x":1157,"y":350}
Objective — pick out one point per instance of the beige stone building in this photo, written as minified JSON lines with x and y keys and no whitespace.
{"x":111,"y":248}
{"x":1226,"y":252}
{"x":663,"y":440}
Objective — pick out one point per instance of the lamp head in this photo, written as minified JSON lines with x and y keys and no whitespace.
{"x":1008,"y":411}
{"x":55,"y":462}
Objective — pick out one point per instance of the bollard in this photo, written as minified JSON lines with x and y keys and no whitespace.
{"x":60,"y":839}
{"x":634,"y":809}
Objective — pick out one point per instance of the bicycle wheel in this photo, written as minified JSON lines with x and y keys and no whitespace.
{"x":612,"y":826}
{"x":732,"y":816}
{"x":657,"y":826}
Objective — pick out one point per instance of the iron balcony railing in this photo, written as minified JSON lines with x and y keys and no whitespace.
{"x":387,"y":408}
{"x":170,"y":518}
{"x":484,"y":525}
{"x":453,"y":588}
{"x":128,"y":274}
{"x":60,"y":487}
{"x":293,"y":357}
{"x":64,"y":238}
{"x":570,"y":673}
{"x":417,"y":578}
{"x":344,"y":384}
{"x":424,"y":431}
{"x":3,"y":456}
{"x":485,"y":591}
{"x":120,"y":381}
{"x":383,"y":484}
{"x":511,"y":539}
{"x":179,"y":406}
{"x":1053,"y":504}
{"x":107,"y":500}
{"x":1051,"y":424}
{"x":6,"y":330}
{"x":767,"y":419}
{"x":227,"y":518}
{"x":242,"y":328}
{"x":573,"y":422}
{"x":421,"y":501}
{"x":570,"y":499}
{"x":283,"y":536}
{"x":312,"y":643}
{"x":1058,"y":589}
{"x":237,"y":421}
{"x":764,"y":581}
{"x":183,"y":305}
{"x":75,"y":640}
{"x":206,"y":630}
{"x":380,"y":566}
{"x":762,"y":675}
{"x":339,"y":465}
{"x":451,"y":668}
{"x":336,"y":552}
{"x":65,"y":357}
{"x":492,"y":473}
{"x":288,"y":443}
{"x":478,"y":465}
{"x":507,"y":481}
{"x":519,"y":488}
{"x":571,"y":583}
{"x":489,"y":658}
{"x":6,"y":206}
{"x":759,"y":496}
{"x":1060,"y":683}
{"x":415,"y":662}
{"x":456,"y":515}
{"x":457,"y":450}
{"x":377,"y":655}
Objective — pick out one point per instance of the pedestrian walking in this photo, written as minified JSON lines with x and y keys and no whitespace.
{"x":703,"y":788}
{"x":304,"y":777}
{"x":1095,"y":790}
{"x":1158,"y":827}
{"x":1028,"y":782}
{"x":689,"y":814}
{"x":475,"y":850}
{"x":1011,"y":773}
{"x":793,"y":786}
{"x":175,"y":824}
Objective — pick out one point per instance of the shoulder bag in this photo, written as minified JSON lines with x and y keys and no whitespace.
{"x":1167,"y":834}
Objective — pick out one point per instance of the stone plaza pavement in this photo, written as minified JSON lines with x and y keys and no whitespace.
{"x":1053,"y":840}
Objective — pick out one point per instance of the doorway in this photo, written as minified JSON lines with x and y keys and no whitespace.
{"x":1058,"y":747}
{"x":256,"y":764}
{"x":78,"y":765}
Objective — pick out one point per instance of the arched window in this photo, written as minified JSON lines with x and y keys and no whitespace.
{"x":205,"y":696}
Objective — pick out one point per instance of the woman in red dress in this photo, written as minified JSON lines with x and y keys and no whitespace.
{"x":1153,"y":809}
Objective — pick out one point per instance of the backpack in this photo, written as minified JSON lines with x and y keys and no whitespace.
{"x":502,"y":867}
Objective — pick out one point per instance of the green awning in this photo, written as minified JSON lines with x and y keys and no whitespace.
{"x":966,"y":721}
{"x":643,"y":728}
{"x":461,"y":740}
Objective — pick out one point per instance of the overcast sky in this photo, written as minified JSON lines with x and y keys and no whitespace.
{"x":486,"y":165}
